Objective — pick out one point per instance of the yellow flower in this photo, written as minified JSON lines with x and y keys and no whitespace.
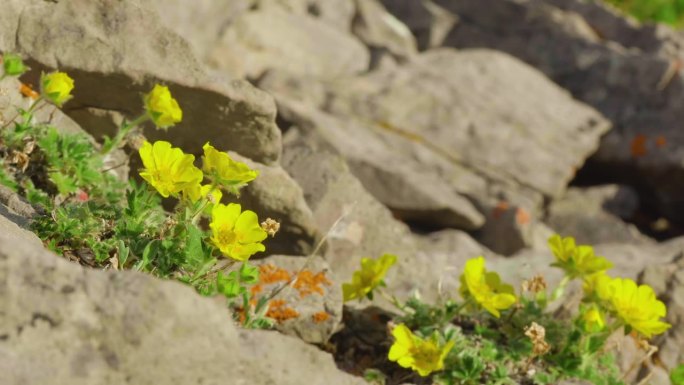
{"x":224,"y":170}
{"x":56,"y":87}
{"x":486,"y":287}
{"x":167,"y":168}
{"x":636,"y":306}
{"x":196,"y":192}
{"x":236,"y":233}
{"x":162,"y":108}
{"x":593,"y":320}
{"x":577,"y":261}
{"x":368,"y":278}
{"x":595,"y":284}
{"x":423,"y":356}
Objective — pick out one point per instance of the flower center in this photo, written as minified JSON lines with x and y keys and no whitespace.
{"x":226,"y":235}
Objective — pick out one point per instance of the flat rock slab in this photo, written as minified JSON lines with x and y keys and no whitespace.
{"x":489,"y":111}
{"x":271,"y":37}
{"x":116,"y":52}
{"x":63,"y":324}
{"x":631,"y":73}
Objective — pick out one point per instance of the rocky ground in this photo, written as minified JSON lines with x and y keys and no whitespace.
{"x":438,"y":130}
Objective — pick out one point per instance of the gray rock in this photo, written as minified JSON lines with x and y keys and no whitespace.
{"x":271,"y":37}
{"x":13,"y":226}
{"x":359,"y":226}
{"x":115,"y":62}
{"x":276,"y":195}
{"x":429,"y":22}
{"x":511,"y":228}
{"x":63,"y":324}
{"x":631,"y":75}
{"x":377,"y":28}
{"x":437,"y":97}
{"x":336,"y":13}
{"x":184,"y":18}
{"x":314,"y":298}
{"x":390,"y":168}
{"x":593,"y":215}
{"x":424,"y":180}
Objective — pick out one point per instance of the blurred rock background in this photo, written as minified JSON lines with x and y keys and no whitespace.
{"x":438,"y":130}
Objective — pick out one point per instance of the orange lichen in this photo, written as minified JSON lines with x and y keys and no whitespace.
{"x":270,"y":273}
{"x":279,"y":311}
{"x":522,"y":217}
{"x":638,"y":147}
{"x":256,"y":289}
{"x":28,"y":92}
{"x":308,"y":283}
{"x":500,"y":209}
{"x":660,"y":141}
{"x":321,"y":316}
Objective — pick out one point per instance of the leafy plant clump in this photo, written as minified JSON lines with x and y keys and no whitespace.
{"x":495,"y":336}
{"x":662,"y":11}
{"x":89,"y":215}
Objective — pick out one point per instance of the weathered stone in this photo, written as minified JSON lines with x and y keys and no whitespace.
{"x":271,"y":37}
{"x":593,"y":215}
{"x":382,"y":162}
{"x":336,"y":13}
{"x":511,"y":228}
{"x":429,"y":22}
{"x":436,"y":98}
{"x":122,"y":51}
{"x":63,"y":324}
{"x":359,"y":226}
{"x":634,"y":80}
{"x":276,"y":195}
{"x":377,"y":28}
{"x":13,"y":226}
{"x":185,"y":19}
{"x":310,"y":308}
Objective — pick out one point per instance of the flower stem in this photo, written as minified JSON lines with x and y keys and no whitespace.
{"x":124,"y":130}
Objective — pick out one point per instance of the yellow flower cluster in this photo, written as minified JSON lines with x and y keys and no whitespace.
{"x":635,"y":306}
{"x":172,"y":173}
{"x":485,"y":287}
{"x":368,"y":278}
{"x":576,"y":261}
{"x":422,"y":355}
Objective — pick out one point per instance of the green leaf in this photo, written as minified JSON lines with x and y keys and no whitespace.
{"x":677,"y":375}
{"x":229,"y":285}
{"x":249,"y":274}
{"x":65,"y":184}
{"x":123,"y":252}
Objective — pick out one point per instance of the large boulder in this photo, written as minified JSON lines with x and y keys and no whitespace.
{"x":116,"y":51}
{"x":630,"y":73}
{"x":63,"y":324}
{"x":272,"y":37}
{"x":421,"y":140}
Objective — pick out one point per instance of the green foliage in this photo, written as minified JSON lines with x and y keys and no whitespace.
{"x":663,"y":11}
{"x":677,"y":375}
{"x":90,"y":216}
